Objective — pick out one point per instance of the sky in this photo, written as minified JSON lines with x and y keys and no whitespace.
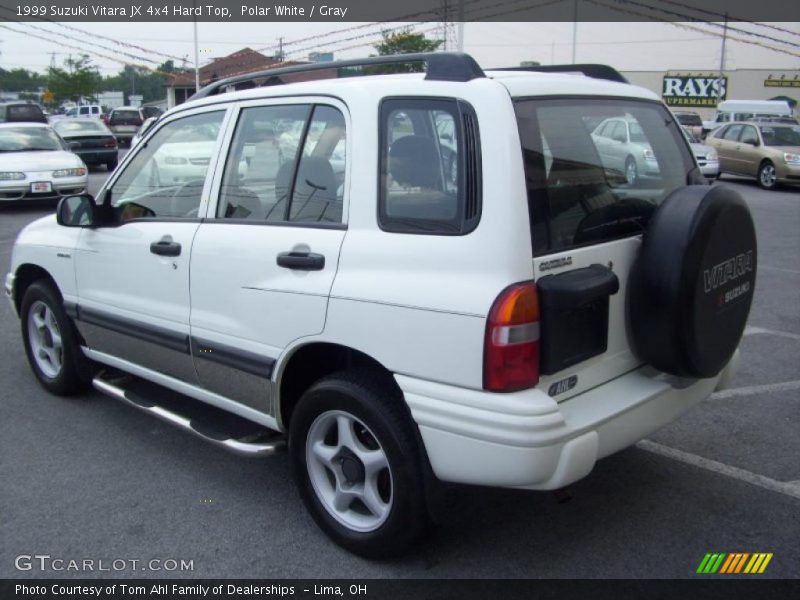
{"x":626,"y":46}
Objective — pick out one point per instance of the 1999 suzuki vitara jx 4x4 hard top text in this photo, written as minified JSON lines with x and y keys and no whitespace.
{"x":408,"y":278}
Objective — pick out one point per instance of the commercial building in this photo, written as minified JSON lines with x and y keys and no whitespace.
{"x":699,"y":91}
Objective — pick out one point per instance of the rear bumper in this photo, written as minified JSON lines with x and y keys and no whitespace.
{"x":526,"y":439}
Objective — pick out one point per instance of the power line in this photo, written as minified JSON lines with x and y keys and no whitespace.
{"x":689,"y":18}
{"x":689,"y":27}
{"x":102,"y":47}
{"x":97,"y":35}
{"x":716,"y":14}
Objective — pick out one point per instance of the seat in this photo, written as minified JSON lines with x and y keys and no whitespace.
{"x":415,"y":164}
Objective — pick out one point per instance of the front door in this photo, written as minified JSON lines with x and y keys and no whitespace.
{"x":264,"y":261}
{"x":133,"y":271}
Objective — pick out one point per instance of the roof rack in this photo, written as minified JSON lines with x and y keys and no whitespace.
{"x":441,"y":66}
{"x":590,"y":70}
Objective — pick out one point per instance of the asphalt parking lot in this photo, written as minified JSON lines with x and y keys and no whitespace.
{"x":91,"y":478}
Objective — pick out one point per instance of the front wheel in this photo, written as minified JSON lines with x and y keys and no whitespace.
{"x":631,"y":171}
{"x":767,"y":176}
{"x":356,"y":461}
{"x":51,"y":343}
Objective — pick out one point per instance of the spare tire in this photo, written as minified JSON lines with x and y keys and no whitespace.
{"x":692,"y":284}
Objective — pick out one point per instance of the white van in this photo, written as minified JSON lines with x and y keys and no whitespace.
{"x":744,"y":110}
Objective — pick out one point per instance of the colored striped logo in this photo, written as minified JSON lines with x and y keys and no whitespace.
{"x":734,"y":563}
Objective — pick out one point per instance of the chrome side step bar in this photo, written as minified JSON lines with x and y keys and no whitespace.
{"x":262,"y":443}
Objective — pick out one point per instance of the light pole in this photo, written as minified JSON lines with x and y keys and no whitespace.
{"x":196,"y":51}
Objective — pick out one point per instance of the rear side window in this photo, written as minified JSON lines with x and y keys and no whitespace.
{"x":286,"y":164}
{"x":430,"y":170}
{"x":597,"y":169}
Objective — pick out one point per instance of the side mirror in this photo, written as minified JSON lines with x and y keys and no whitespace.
{"x":752,"y":142}
{"x":76,"y":211}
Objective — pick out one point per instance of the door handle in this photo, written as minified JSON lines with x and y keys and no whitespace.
{"x":166,"y":248}
{"x":302,"y":261}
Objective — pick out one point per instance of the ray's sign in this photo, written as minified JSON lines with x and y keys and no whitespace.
{"x":694,"y":90}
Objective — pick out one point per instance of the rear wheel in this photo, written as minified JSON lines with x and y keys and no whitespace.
{"x":767,"y":176}
{"x":357,"y":463}
{"x":51,"y":343}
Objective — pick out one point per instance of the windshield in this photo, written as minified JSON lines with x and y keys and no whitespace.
{"x":22,"y":139}
{"x":781,"y":136}
{"x":691,"y":120}
{"x":586,"y":189}
{"x":85,"y":126}
{"x":689,"y":137}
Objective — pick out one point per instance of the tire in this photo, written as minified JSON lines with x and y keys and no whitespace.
{"x":691,"y":286}
{"x":379,"y":466}
{"x":767,"y":178}
{"x":112,"y":164}
{"x":631,"y":171}
{"x":51,"y":342}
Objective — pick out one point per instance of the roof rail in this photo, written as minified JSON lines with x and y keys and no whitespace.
{"x":441,"y":66}
{"x":590,"y":70}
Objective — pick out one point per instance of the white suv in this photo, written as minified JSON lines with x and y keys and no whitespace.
{"x":491,"y":305}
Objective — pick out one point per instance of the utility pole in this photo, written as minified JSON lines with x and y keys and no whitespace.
{"x":574,"y":29}
{"x":280,"y":49}
{"x":196,"y":54}
{"x":460,"y":25}
{"x":722,"y":59}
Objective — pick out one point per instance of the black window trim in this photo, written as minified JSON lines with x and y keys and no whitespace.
{"x":460,"y":106}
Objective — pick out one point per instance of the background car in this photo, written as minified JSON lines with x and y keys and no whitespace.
{"x":706,"y":156}
{"x":21,"y":112}
{"x":769,"y":152}
{"x":691,"y":121}
{"x":36,"y":164}
{"x":90,"y":139}
{"x":124,"y":122}
{"x":148,"y":123}
{"x":623,"y":147}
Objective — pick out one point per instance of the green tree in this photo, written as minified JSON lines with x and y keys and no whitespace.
{"x":78,"y":79}
{"x":403,"y":42}
{"x":21,"y":80}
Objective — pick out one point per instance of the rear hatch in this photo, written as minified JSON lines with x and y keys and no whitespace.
{"x":596,"y":170}
{"x":30,"y":113}
{"x":125,"y":118}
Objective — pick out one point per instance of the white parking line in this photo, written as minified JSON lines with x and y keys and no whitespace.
{"x":752,"y":390}
{"x":790,"y":488}
{"x":753,"y":330}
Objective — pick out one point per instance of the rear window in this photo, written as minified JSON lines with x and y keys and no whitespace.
{"x":85,"y":126}
{"x":690,"y":119}
{"x":25,"y":112}
{"x":596,"y":169}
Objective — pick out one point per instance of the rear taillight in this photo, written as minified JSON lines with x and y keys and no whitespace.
{"x":111,"y":143}
{"x":511,"y":347}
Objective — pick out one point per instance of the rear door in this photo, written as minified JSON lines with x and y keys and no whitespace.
{"x":264,"y":260}
{"x":584,"y":214}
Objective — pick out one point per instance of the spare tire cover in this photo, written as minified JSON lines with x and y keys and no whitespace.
{"x":692,"y":284}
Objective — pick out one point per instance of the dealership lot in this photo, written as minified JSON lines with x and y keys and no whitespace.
{"x":91,"y":478}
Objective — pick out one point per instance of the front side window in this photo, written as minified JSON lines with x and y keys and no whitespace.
{"x":585,"y":188}
{"x":430,"y":167}
{"x":166,"y":178}
{"x":286,"y":164}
